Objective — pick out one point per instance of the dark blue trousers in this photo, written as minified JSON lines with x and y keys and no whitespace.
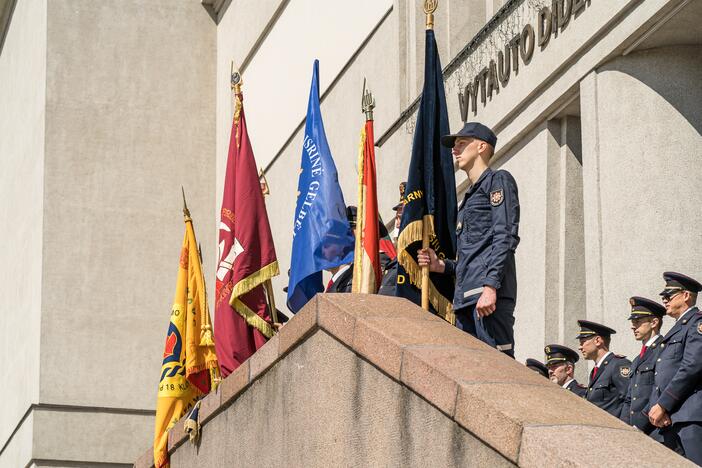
{"x":685,"y":439}
{"x":497,"y":329}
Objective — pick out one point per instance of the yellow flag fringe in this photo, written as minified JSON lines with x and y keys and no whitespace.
{"x":247,"y":284}
{"x":410,"y":234}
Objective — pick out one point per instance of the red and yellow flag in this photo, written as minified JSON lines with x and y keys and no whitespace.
{"x":190,"y":368}
{"x":367,"y":273}
{"x":244,"y":311}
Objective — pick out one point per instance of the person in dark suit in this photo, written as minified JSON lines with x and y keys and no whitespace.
{"x":675,"y":404}
{"x":560,"y":362}
{"x":646,"y":320}
{"x":342,"y":276}
{"x":537,"y":366}
{"x":609,"y":379}
{"x":388,"y":285}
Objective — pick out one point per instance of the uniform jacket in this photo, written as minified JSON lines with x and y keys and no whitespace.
{"x":388,"y":283}
{"x":608,"y":389}
{"x":639,"y":390}
{"x":578,"y":389}
{"x":678,"y":370}
{"x":343,"y":283}
{"x":486,"y":238}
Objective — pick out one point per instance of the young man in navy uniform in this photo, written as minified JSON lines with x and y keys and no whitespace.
{"x":646,"y":320}
{"x":486,"y":239}
{"x":560,"y":361}
{"x":609,"y":379}
{"x":675,"y":405}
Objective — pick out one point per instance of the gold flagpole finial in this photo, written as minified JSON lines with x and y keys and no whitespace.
{"x":186,"y":212}
{"x":429,"y":9}
{"x":367,"y":102}
{"x":236,"y":83}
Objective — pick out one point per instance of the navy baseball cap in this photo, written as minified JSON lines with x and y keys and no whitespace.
{"x":474,"y":130}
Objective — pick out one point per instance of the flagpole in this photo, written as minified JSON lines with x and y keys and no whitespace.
{"x":236,"y":82}
{"x":271,"y":300}
{"x":429,"y":8}
{"x":360,"y":211}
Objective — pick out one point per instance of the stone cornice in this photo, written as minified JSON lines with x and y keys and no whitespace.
{"x":524,"y":417}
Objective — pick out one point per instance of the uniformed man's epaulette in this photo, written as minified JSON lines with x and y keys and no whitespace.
{"x":620,"y":356}
{"x":582,"y":386}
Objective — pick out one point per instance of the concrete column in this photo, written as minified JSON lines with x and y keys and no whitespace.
{"x":565,"y":265}
{"x":111,"y":108}
{"x":641,"y":119}
{"x":22,"y":131}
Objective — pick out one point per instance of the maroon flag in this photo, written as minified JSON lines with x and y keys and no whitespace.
{"x":247,"y":258}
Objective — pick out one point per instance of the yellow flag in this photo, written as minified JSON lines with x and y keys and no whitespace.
{"x":190,"y":367}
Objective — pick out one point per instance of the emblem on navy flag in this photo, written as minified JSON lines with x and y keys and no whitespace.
{"x":497,"y":197}
{"x":624,"y":371}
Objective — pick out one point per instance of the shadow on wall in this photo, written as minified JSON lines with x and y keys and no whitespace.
{"x":681,"y":67}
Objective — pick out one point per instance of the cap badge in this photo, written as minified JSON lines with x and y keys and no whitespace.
{"x":548,"y":348}
{"x":497,"y":197}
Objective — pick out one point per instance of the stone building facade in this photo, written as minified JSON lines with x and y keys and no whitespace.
{"x":107,"y":107}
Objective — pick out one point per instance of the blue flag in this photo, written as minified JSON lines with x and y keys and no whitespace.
{"x":322,"y":236}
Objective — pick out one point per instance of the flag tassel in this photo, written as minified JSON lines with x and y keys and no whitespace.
{"x":360,"y":217}
{"x":192,"y":424}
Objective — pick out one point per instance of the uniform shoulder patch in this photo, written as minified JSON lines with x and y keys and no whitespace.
{"x":497,"y":197}
{"x":624,"y":371}
{"x":699,"y":328}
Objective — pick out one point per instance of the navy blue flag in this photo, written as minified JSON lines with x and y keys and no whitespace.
{"x":430,"y":196}
{"x":322,"y":236}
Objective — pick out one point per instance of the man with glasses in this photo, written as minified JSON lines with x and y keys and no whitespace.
{"x":609,"y":379}
{"x":560,"y":362}
{"x":675,"y":404}
{"x":646,"y":320}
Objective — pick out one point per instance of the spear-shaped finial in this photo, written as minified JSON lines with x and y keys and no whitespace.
{"x":429,"y":9}
{"x":367,"y":102}
{"x":186,"y":212}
